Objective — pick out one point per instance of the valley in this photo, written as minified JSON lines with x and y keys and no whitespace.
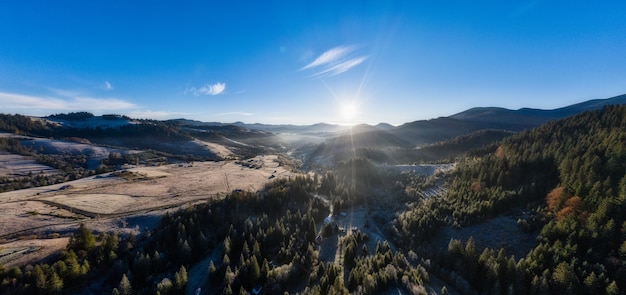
{"x":216,"y":208}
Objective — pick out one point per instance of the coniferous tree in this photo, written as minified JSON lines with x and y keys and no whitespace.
{"x":124,"y":287}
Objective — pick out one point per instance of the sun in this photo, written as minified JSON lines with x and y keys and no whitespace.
{"x":349,"y":110}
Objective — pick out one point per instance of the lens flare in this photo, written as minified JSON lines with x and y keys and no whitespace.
{"x":349,"y":110}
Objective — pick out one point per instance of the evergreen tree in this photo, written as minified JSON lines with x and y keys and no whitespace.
{"x":83,"y":239}
{"x":55,"y":283}
{"x":180,"y":280}
{"x":124,"y":287}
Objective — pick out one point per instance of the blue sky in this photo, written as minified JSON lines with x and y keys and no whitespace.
{"x":293,"y":62}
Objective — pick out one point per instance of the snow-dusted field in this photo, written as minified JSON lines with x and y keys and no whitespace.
{"x":27,"y":251}
{"x":24,"y":215}
{"x":95,"y":203}
{"x":107,"y":202}
{"x":12,"y":165}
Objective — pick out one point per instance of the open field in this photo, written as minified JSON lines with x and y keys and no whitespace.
{"x":128,"y":200}
{"x":12,"y":165}
{"x":97,"y":203}
{"x":218,"y":149}
{"x":20,"y":216}
{"x":29,"y":251}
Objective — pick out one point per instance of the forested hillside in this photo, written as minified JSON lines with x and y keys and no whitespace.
{"x":572,"y":172}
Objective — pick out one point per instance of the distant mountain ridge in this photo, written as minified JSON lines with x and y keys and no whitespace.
{"x":469,"y":120}
{"x":385,"y":142}
{"x":534,"y":116}
{"x":118,"y":130}
{"x":479,"y":118}
{"x":433,"y":130}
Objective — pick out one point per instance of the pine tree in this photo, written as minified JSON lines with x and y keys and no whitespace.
{"x":265,"y":270}
{"x":254,"y":271}
{"x":55,"y":283}
{"x":212,"y":271}
{"x":124,"y":287}
{"x":180,"y":279}
{"x":83,"y":239}
{"x":39,"y":277}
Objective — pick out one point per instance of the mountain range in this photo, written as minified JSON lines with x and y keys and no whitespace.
{"x":442,"y":128}
{"x":328,"y":143}
{"x":481,"y":118}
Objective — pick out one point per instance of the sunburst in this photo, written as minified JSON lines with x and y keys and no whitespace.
{"x":349,"y":111}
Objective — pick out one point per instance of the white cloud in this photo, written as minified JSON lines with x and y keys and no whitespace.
{"x":334,"y":62}
{"x":209,"y":89}
{"x":330,"y":56}
{"x":341,"y":67}
{"x":13,"y":101}
{"x":107,"y":85}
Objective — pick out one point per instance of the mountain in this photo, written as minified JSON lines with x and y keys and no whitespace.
{"x":533,"y":117}
{"x":122,"y":131}
{"x":444,"y":128}
{"x":84,"y":120}
{"x":384,"y":126}
{"x":440,"y":138}
{"x":440,"y":129}
{"x":280,"y":128}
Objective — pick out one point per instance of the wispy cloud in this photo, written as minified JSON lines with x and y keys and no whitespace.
{"x":330,"y":56}
{"x":341,"y":67}
{"x":108,"y":85}
{"x":334,"y":62}
{"x":209,"y":89}
{"x":70,"y":102}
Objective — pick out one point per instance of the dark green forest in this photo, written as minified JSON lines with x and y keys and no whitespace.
{"x":569,"y":175}
{"x":572,"y":173}
{"x":263,"y":240}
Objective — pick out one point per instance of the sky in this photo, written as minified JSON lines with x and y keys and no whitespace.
{"x":304,"y":62}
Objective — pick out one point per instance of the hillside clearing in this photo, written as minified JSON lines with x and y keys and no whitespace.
{"x":95,"y":203}
{"x":107,"y":202}
{"x":23,"y":252}
{"x":12,"y":165}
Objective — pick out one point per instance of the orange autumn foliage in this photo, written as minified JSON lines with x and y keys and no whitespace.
{"x":572,"y":206}
{"x":500,"y":152}
{"x":562,"y":204}
{"x":555,"y":198}
{"x":476,"y":187}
